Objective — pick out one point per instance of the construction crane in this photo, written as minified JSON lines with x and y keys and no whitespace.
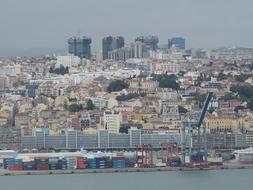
{"x":190,"y":125}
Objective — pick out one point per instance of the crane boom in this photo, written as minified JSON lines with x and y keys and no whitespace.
{"x":203,"y":113}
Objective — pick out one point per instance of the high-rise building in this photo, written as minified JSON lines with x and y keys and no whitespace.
{"x":133,"y":50}
{"x":80,"y":46}
{"x":111,"y":43}
{"x":178,"y":42}
{"x":151,"y":42}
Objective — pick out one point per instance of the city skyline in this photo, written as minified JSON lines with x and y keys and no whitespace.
{"x":204,"y":24}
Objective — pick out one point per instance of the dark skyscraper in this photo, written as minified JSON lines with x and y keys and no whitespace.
{"x":178,"y":42}
{"x":111,"y":43}
{"x":151,"y":42}
{"x":80,"y":46}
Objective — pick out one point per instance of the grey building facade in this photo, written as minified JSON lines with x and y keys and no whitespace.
{"x":111,"y":43}
{"x":80,"y":46}
{"x":75,"y":140}
{"x":151,"y":42}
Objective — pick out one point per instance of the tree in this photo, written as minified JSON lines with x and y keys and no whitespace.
{"x":250,"y":104}
{"x":200,"y":97}
{"x":244,"y":91}
{"x":251,"y":66}
{"x":211,"y":110}
{"x":129,"y":96}
{"x":181,"y":109}
{"x":61,"y":70}
{"x":237,"y":108}
{"x":90,"y":105}
{"x":182,"y":73}
{"x":222,"y":76}
{"x":166,"y":81}
{"x":75,"y":107}
{"x":242,"y":77}
{"x":117,"y":85}
{"x":229,"y":96}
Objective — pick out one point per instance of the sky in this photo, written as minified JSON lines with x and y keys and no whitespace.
{"x":47,"y":24}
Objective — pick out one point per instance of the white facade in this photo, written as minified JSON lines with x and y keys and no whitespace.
{"x":112,"y":121}
{"x":11,"y":70}
{"x":67,"y":61}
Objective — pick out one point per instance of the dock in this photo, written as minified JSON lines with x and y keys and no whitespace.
{"x":123,"y":170}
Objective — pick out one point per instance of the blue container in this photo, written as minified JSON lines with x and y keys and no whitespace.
{"x":92,"y":163}
{"x":62,"y":164}
{"x":52,"y":166}
{"x":102,"y":162}
{"x":15,"y":162}
{"x":41,"y":160}
{"x":5,"y":163}
{"x":29,"y":168}
{"x":175,"y":162}
{"x":119,"y":163}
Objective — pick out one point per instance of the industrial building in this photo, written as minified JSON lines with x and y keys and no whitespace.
{"x":73,"y":139}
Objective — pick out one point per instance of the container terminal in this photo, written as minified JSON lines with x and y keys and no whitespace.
{"x":144,"y":157}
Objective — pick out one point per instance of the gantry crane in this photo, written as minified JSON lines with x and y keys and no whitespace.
{"x":190,"y":125}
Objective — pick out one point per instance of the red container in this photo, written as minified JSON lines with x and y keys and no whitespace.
{"x":110,"y":164}
{"x":189,"y":165}
{"x":16,"y":167}
{"x":119,"y":158}
{"x":246,"y":162}
{"x":216,"y":163}
{"x":81,"y":166}
{"x":81,"y":163}
{"x":42,"y":167}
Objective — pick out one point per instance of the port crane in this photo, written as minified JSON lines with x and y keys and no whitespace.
{"x":189,"y":124}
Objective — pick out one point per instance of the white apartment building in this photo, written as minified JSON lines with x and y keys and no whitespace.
{"x":67,"y":61}
{"x":112,"y":121}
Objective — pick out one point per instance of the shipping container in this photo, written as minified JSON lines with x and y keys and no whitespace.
{"x":119,"y":163}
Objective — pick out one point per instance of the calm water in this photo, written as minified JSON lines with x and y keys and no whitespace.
{"x":204,"y":180}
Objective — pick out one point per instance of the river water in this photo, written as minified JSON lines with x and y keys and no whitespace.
{"x":176,"y":180}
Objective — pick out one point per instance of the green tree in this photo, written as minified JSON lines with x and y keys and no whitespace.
{"x":117,"y":85}
{"x":237,"y":108}
{"x":129,"y":96}
{"x":211,"y":110}
{"x":181,"y":109}
{"x":251,"y":66}
{"x":242,"y":77}
{"x":75,"y":107}
{"x":61,"y":70}
{"x":250,"y":104}
{"x":244,"y":91}
{"x":200,"y":97}
{"x":166,"y":81}
{"x":222,"y":76}
{"x":229,"y":96}
{"x":90,"y":105}
{"x":182,"y":73}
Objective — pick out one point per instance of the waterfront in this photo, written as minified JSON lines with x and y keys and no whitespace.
{"x":212,"y":179}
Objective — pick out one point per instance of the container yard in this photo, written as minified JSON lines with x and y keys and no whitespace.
{"x":143,"y":159}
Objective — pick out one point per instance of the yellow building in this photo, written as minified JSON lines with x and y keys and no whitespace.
{"x":61,"y":101}
{"x":142,"y":117}
{"x":221,"y":124}
{"x":90,"y":131}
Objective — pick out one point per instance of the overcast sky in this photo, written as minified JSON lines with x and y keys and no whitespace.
{"x":27,"y":24}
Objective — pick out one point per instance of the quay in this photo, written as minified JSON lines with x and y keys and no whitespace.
{"x":124,"y":170}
